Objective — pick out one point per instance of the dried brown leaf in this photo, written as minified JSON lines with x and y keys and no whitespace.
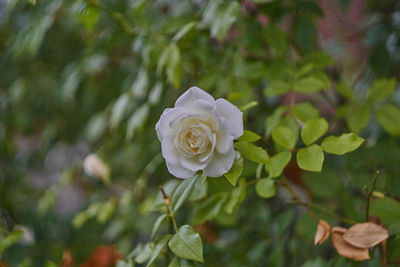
{"x":365,"y":235}
{"x":338,"y":229}
{"x":345,"y":249}
{"x":323,"y":231}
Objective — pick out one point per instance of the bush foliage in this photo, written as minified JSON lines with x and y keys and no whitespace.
{"x":317,"y":83}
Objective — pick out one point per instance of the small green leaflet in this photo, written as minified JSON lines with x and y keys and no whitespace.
{"x":277,"y":164}
{"x":284,"y":137}
{"x":358,"y":119}
{"x":252,"y":152}
{"x":265,"y":188}
{"x":389,"y":117}
{"x":310,"y":158}
{"x":342,"y":144}
{"x":236,"y":170}
{"x":313,"y":129}
{"x":381,"y":89}
{"x":249,"y":136}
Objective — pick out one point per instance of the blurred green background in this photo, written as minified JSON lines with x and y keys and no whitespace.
{"x":82,"y":77}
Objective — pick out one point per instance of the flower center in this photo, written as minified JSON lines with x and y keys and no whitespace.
{"x":194,"y":137}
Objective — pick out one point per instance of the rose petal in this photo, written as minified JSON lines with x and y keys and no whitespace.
{"x":224,"y":137}
{"x":207,"y":155}
{"x":169,"y":151}
{"x":231,"y":113}
{"x":179,"y":171}
{"x":191,"y":95}
{"x":163,"y":126}
{"x":209,"y":112}
{"x":220,"y":163}
{"x":193,"y":164}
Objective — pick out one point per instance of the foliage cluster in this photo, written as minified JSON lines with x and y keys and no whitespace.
{"x":81,"y":77}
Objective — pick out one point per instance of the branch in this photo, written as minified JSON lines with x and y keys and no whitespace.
{"x":369,"y":195}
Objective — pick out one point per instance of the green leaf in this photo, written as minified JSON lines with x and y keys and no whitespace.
{"x":389,"y":117}
{"x":88,"y":17}
{"x":186,"y":243}
{"x":177,"y":262}
{"x":310,"y":158}
{"x":210,"y":208}
{"x":182,"y":192}
{"x":311,"y":84}
{"x":341,"y":144}
{"x":234,"y":173}
{"x":284,"y":137}
{"x":304,"y":111}
{"x":248,"y":106}
{"x":142,"y":253}
{"x":223,"y":20}
{"x":106,"y":210}
{"x":122,"y":263}
{"x":252,"y":152}
{"x":381,"y":89}
{"x":276,"y":38}
{"x":273,"y":120}
{"x":199,"y":190}
{"x":184,"y":30}
{"x":319,"y":59}
{"x":236,"y":196}
{"x":345,"y":90}
{"x":137,"y":120}
{"x":358,"y":119}
{"x":173,"y":65}
{"x":10,"y":240}
{"x":160,"y":244}
{"x":265,"y":188}
{"x":171,"y":60}
{"x":249,"y":136}
{"x":157,"y":224}
{"x":277,"y":87}
{"x":313,"y":129}
{"x":277,"y":164}
{"x":118,"y":110}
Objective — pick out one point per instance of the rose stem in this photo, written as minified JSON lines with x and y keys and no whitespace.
{"x":168,"y":204}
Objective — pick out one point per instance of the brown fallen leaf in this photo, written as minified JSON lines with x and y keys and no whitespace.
{"x":2,"y":264}
{"x":345,"y":249}
{"x":338,"y":229}
{"x":322,"y":233}
{"x":365,"y":235}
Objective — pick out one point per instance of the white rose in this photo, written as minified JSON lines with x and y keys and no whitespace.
{"x":198,"y":133}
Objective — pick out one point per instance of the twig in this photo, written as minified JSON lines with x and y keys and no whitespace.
{"x":369,"y":195}
{"x":324,"y":210}
{"x":310,"y":206}
{"x":168,"y":204}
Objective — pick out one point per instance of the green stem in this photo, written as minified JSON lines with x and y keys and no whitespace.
{"x":369,"y":195}
{"x":168,"y":204}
